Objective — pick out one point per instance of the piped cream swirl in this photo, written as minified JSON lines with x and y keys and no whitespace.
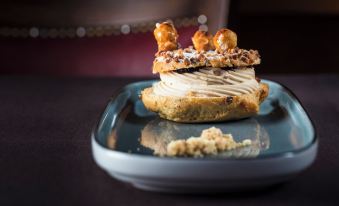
{"x":207,"y":82}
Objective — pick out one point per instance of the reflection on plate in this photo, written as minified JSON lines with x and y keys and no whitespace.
{"x":158,"y":133}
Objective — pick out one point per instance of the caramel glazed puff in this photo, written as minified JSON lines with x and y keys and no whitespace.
{"x":214,"y":81}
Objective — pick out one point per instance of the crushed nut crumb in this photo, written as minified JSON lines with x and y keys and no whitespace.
{"x":210,"y":142}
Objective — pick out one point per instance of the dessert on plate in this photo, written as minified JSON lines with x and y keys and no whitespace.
{"x":212,"y":81}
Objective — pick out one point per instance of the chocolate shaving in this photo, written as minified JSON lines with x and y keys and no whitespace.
{"x":187,"y":70}
{"x":217,"y":72}
{"x":229,"y":100}
{"x":228,"y":68}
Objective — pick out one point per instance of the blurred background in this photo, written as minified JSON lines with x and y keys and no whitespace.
{"x":114,"y":38}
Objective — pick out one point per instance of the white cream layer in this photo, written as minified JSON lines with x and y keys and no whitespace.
{"x":207,"y":82}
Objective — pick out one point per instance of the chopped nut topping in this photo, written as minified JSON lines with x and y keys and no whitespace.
{"x":176,"y":59}
{"x":244,"y":59}
{"x":186,"y":61}
{"x":192,"y":58}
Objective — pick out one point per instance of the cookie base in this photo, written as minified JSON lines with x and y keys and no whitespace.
{"x":203,"y":109}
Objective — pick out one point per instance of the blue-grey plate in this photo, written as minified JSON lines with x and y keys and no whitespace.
{"x":127,"y":137}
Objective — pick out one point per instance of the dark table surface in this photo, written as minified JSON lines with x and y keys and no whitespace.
{"x":45,"y":151}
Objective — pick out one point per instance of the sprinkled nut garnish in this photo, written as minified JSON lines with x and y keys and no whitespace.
{"x":176,"y":59}
{"x":201,"y":57}
{"x":245,"y":59}
{"x":203,"y":41}
{"x":186,"y":61}
{"x":180,"y":52}
{"x":166,"y":36}
{"x":224,"y":40}
{"x":246,"y":54}
{"x":169,"y":54}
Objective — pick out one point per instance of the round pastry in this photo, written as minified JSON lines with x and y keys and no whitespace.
{"x":166,"y":36}
{"x":201,"y":84}
{"x":225,"y":39}
{"x":203,"y":41}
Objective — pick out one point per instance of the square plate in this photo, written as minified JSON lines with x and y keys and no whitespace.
{"x":128,"y":135}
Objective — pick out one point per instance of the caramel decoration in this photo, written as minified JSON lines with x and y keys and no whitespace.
{"x":203,"y":41}
{"x":166,"y":36}
{"x":224,"y":40}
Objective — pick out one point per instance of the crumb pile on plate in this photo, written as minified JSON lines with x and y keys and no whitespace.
{"x":212,"y":81}
{"x":159,"y":133}
{"x":211,"y":142}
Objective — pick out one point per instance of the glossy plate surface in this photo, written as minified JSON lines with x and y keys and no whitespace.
{"x":127,"y":136}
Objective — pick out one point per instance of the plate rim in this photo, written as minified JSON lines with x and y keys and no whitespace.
{"x":120,"y":154}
